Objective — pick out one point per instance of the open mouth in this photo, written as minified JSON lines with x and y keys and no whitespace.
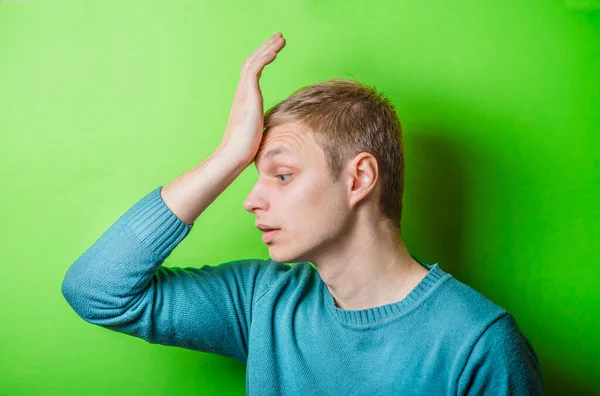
{"x":269,"y":235}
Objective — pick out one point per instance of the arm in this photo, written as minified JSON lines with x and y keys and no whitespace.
{"x":191,"y":193}
{"x":119,"y":284}
{"x":502,"y":362}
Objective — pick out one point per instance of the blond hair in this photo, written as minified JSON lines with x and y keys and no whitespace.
{"x":348,"y":117}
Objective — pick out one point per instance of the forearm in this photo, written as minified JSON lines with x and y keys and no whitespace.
{"x":191,"y":193}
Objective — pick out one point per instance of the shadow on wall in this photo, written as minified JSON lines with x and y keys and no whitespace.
{"x":439,"y":184}
{"x":558,"y":381}
{"x":435,"y":194}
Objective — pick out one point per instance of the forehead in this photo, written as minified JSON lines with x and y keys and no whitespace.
{"x":287,"y":140}
{"x":275,"y":150}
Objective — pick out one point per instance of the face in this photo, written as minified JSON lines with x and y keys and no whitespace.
{"x":295,"y":194}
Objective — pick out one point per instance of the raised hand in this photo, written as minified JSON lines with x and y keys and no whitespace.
{"x":245,"y":126}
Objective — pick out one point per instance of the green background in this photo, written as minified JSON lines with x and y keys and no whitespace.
{"x":102,"y":101}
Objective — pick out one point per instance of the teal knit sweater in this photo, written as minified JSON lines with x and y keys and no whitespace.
{"x":443,"y":338}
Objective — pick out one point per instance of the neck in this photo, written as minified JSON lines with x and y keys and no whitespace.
{"x":369,"y":267}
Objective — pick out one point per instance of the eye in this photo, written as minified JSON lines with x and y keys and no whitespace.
{"x":283,"y":175}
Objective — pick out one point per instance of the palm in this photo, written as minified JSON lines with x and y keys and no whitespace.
{"x":245,"y":125}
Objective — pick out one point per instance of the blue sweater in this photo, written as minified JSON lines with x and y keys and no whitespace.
{"x":443,"y":338}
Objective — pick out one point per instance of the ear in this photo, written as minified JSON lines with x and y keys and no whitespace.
{"x":363,"y":176}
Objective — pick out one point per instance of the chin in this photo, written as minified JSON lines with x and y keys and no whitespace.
{"x":280,"y":258}
{"x":286,"y":257}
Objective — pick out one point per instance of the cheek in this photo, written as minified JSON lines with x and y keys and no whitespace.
{"x":318,"y":207}
{"x":302,"y":204}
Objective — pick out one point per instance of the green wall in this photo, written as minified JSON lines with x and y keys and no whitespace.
{"x":102,"y":101}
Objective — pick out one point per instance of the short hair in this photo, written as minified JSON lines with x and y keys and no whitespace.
{"x":348,"y":117}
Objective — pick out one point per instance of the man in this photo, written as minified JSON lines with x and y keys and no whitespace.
{"x":366,"y":318}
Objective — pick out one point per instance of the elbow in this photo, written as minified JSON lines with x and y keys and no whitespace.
{"x":69,"y":292}
{"x":76,"y":298}
{"x":89,"y":304}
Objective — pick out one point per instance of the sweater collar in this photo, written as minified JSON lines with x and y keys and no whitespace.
{"x":374,"y":317}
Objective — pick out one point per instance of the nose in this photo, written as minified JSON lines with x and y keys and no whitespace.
{"x":255,"y":200}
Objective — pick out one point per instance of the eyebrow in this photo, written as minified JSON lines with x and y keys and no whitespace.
{"x":275,"y":151}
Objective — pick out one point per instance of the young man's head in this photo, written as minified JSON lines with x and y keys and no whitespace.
{"x":331,"y":164}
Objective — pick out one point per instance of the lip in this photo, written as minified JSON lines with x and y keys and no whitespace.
{"x":265,"y":228}
{"x":268,"y":236}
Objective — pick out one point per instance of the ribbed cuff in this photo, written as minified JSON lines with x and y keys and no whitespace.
{"x":155,"y":224}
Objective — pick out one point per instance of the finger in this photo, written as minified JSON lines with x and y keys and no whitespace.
{"x":254,"y":67}
{"x":258,"y":64}
{"x":276,"y":46}
{"x":258,"y":52}
{"x":264,"y":45}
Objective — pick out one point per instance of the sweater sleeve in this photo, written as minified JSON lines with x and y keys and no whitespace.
{"x":502,"y":362}
{"x":119,"y":283}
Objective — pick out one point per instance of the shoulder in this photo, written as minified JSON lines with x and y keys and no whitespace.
{"x":502,"y":335}
{"x":502,"y":361}
{"x":269,"y":271}
{"x":495,"y":355}
{"x":249,"y":272}
{"x":275,"y":271}
{"x":460,"y":313}
{"x":471,"y":307}
{"x":278,"y":275}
